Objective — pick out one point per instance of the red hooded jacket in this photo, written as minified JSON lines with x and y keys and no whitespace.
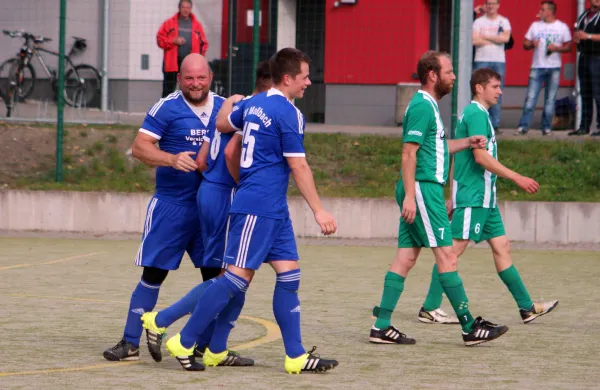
{"x":169,"y":30}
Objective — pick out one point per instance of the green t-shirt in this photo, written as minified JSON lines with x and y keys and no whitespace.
{"x":423,"y":125}
{"x":473,"y":186}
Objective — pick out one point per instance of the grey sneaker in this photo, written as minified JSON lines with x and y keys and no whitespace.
{"x":521,"y":131}
{"x":546,"y":132}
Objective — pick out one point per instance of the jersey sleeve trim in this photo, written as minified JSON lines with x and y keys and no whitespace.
{"x":294,"y":154}
{"x":206,"y":139}
{"x":239,"y":132}
{"x":231,"y":123}
{"x":150,"y":133}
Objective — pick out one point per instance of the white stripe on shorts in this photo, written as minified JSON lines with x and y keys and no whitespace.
{"x":466,"y":223}
{"x":245,"y":241}
{"x":425,"y":216}
{"x":147,"y":227}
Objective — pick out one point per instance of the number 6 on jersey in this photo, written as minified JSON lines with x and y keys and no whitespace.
{"x":248,"y":144}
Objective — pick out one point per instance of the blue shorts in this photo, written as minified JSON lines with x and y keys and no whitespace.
{"x":214,"y":201}
{"x":253,"y":240}
{"x":169,"y":231}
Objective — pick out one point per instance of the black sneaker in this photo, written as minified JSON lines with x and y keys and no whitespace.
{"x":231,"y":359}
{"x":482,"y":332}
{"x":312,"y":363}
{"x":389,"y":335}
{"x":154,"y":343}
{"x":538,"y":309}
{"x":189,"y":363}
{"x":123,"y":351}
{"x":595,"y":133}
{"x":578,"y":132}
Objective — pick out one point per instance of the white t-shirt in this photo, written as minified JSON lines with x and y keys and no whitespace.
{"x":486,"y":27}
{"x":556,"y":32}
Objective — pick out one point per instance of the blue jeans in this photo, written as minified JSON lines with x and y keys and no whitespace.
{"x":499,"y":67}
{"x":537,"y":77}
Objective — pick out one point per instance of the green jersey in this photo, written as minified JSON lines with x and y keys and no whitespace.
{"x":423,"y":125}
{"x":473,"y":186}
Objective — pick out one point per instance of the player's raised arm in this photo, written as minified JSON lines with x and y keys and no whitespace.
{"x":473,"y":142}
{"x":233,"y":154}
{"x":223,"y":122}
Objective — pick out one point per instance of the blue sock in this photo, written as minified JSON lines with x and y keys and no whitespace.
{"x":143,"y":299}
{"x":286,"y":307}
{"x":213,"y":301}
{"x":204,"y":339}
{"x":226,"y":322}
{"x":182,"y":307}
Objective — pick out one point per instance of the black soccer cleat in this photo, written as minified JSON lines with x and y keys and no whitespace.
{"x":199,"y":351}
{"x":154,"y":343}
{"x":231,"y":358}
{"x":189,"y":363}
{"x":538,"y":309}
{"x":483,"y":331}
{"x":310,"y":362}
{"x":389,"y":335}
{"x":123,"y":351}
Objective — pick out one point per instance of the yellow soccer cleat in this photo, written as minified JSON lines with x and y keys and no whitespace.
{"x":185,"y":356}
{"x":154,"y":335}
{"x":308,"y":362}
{"x":225,"y":358}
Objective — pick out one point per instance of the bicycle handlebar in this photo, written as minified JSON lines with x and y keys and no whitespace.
{"x":26,"y":35}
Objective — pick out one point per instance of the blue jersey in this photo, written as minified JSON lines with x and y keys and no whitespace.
{"x":273,"y":129}
{"x":180,"y":127}
{"x":217,"y":171}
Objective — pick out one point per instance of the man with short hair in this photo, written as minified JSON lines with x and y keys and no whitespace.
{"x":177,"y":124}
{"x":587,"y":38}
{"x":476,"y":214}
{"x":548,"y":38}
{"x":420,"y":195}
{"x":490,"y":32}
{"x":179,"y":36}
{"x":214,"y":200}
{"x":260,"y":226}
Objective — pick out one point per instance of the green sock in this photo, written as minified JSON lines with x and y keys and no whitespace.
{"x":512,"y":279}
{"x":434,"y":295}
{"x":392,"y":288}
{"x":453,"y":287}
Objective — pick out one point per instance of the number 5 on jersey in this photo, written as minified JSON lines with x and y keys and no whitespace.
{"x":248,"y":144}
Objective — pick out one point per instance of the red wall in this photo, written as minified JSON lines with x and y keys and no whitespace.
{"x":374,"y":41}
{"x":380,"y":41}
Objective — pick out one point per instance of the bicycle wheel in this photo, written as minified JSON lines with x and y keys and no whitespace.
{"x":8,"y":75}
{"x":82,"y":86}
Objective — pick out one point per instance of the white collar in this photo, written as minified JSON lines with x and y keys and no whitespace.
{"x":427,"y":95}
{"x":480,"y":105}
{"x":204,"y":111}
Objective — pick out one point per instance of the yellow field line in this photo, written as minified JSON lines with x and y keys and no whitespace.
{"x":61,"y":260}
{"x":71,"y":369}
{"x":273,"y":334}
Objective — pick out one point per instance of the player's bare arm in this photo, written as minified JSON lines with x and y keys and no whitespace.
{"x":409,"y":165}
{"x":306,"y":184}
{"x":222,"y":121}
{"x":473,"y":142}
{"x":489,"y":163}
{"x":449,"y":205}
{"x":233,"y":154}
{"x":144,"y":149}
{"x":203,"y":156}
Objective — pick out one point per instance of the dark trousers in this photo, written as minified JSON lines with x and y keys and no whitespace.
{"x":169,"y":83}
{"x":589,"y":86}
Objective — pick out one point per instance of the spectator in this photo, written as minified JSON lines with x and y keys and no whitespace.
{"x":587,"y":37}
{"x":490,"y":33}
{"x":548,"y":38}
{"x":179,"y":36}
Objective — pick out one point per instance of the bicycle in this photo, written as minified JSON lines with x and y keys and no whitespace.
{"x":82,"y":82}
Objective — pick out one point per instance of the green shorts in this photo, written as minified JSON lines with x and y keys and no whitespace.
{"x":477,"y":224}
{"x":431,"y":228}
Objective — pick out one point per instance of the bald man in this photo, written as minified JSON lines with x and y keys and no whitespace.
{"x":177,"y":124}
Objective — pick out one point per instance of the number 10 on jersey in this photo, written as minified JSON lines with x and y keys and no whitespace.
{"x":248,"y":144}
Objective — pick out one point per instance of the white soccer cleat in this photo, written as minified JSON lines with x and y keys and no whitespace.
{"x":437,"y":316}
